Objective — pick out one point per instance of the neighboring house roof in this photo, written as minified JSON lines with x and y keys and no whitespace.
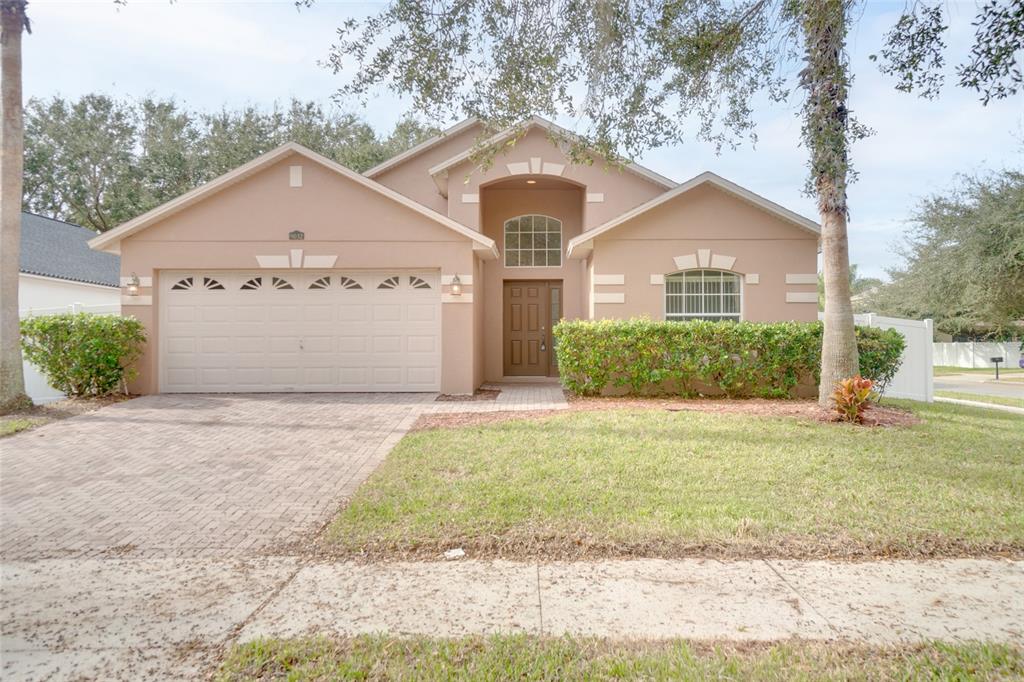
{"x":439,"y":172}
{"x":110,"y":241}
{"x":54,"y":248}
{"x":412,"y":152}
{"x":580,"y":242}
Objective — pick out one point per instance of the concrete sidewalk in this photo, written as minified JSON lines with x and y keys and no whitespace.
{"x":168,"y":617}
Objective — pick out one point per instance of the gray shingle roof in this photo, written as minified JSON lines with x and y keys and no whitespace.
{"x":53,"y":248}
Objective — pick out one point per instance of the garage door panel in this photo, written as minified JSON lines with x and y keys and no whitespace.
{"x":294,"y":331}
{"x":180,"y":313}
{"x":353,"y":312}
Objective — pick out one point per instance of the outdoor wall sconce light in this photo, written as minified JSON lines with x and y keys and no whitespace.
{"x":456,"y":286}
{"x":133,"y":285}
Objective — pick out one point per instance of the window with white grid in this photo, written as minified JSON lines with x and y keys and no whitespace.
{"x":702,"y":295}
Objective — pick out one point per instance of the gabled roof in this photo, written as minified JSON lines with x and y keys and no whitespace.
{"x":54,"y":248}
{"x":426,"y":145}
{"x":440,"y":171}
{"x":580,"y":242}
{"x":110,"y":241}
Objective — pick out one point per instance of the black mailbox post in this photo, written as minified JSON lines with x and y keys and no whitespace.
{"x":996,"y":362}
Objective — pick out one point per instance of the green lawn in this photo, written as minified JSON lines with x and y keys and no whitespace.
{"x":529,"y":658}
{"x":992,"y":399}
{"x":943,"y":370}
{"x":664,"y":484}
{"x":12,"y":425}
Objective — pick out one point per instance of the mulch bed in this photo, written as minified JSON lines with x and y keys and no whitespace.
{"x":478,"y":395}
{"x":62,"y":409}
{"x":877,"y":416}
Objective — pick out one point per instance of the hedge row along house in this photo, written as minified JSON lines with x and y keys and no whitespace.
{"x":432,"y":272}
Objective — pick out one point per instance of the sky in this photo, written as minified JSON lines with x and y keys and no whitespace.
{"x":207,"y":55}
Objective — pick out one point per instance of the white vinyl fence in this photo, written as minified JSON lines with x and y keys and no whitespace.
{"x":977,"y":354}
{"x":914,"y":378}
{"x":35,"y":383}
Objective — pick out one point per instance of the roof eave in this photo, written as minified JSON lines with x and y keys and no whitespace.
{"x":415,"y":151}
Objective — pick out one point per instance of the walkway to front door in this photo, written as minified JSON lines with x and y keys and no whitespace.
{"x":530,"y":310}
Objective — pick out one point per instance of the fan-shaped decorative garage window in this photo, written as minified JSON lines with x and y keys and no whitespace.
{"x":210,"y":284}
{"x":349,"y":283}
{"x":533,"y":241}
{"x":252,"y":284}
{"x":281,"y":283}
{"x":702,"y":295}
{"x":183,"y":284}
{"x":418,"y":282}
{"x":389,"y":283}
{"x":320,"y":283}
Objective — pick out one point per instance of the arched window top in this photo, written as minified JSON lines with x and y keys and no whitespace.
{"x":703,"y":295}
{"x":533,"y":241}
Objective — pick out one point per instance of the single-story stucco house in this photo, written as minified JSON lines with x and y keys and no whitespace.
{"x":431,"y":272}
{"x":60,"y":273}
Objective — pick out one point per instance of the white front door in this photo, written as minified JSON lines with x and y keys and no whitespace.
{"x":300,"y":330}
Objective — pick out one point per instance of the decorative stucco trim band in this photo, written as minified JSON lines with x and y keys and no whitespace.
{"x":609,"y":279}
{"x":688,"y":262}
{"x":658,"y":279}
{"x":609,"y":298}
{"x":471,"y":198}
{"x":801,"y":297}
{"x":296,"y":259}
{"x":753,"y":278}
{"x":595,"y":197}
{"x":518,"y":168}
{"x":136,"y":300}
{"x":461,"y":298}
{"x":802,"y":279}
{"x":319,"y":261}
{"x":295,"y":176}
{"x":722,"y":262}
{"x":273,"y":261}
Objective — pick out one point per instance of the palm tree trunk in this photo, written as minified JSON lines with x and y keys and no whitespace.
{"x":827,"y":129}
{"x":839,"y":341}
{"x":12,"y":379}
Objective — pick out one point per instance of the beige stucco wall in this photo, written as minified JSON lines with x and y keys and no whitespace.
{"x":498,"y":205}
{"x":364,"y":229}
{"x":710,"y":219}
{"x":411,"y":178}
{"x":621,"y":189}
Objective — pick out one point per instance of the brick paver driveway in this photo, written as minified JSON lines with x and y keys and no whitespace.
{"x":191,"y":475}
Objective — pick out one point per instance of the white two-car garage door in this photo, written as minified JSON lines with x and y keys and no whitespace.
{"x":300,"y":330}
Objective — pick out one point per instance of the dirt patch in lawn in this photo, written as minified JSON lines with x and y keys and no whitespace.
{"x":37,"y":415}
{"x":532,"y":543}
{"x":479,"y":394}
{"x":877,"y":416}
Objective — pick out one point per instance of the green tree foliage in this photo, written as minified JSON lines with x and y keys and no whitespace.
{"x":82,"y":354}
{"x":964,"y":259}
{"x":99,"y":161}
{"x":642,"y":74}
{"x":739,"y":359}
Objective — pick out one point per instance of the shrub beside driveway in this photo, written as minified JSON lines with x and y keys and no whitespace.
{"x":667,"y":484}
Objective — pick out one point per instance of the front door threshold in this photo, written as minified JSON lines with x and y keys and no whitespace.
{"x":530,"y":380}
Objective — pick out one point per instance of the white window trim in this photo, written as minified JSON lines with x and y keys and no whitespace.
{"x":664,"y":296}
{"x":561,"y":249}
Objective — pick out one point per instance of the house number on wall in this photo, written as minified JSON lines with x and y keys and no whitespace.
{"x":296,"y":234}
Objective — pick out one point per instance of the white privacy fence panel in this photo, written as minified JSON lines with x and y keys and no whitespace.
{"x":914,"y":378}
{"x":976,"y":354}
{"x":35,"y":383}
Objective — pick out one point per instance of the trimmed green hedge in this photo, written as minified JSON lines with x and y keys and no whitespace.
{"x":83,"y":354}
{"x":740,"y":359}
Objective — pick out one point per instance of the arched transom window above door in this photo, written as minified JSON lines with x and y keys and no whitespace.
{"x":703,"y":295}
{"x":533,"y":241}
